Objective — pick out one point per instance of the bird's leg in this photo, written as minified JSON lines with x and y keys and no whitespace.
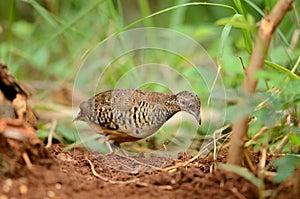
{"x":118,"y":147}
{"x":110,"y":146}
{"x":104,"y":139}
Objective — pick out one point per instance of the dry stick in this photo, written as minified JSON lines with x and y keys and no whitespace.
{"x":201,"y":152}
{"x":294,"y":41}
{"x":27,"y":160}
{"x":296,"y":34}
{"x":109,"y":180}
{"x":267,"y":27}
{"x":213,"y":165}
{"x":51,"y":132}
{"x":296,"y":65}
{"x":257,"y":135}
{"x":283,"y":142}
{"x":236,"y":192}
{"x":249,"y":161}
{"x":263,"y":158}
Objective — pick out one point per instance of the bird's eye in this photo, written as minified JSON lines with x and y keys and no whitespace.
{"x":190,"y":105}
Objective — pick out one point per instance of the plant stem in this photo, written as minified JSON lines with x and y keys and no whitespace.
{"x":266,"y":30}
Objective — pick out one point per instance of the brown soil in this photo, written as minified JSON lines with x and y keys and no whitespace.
{"x":68,"y":174}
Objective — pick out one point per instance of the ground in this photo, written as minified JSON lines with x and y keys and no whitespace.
{"x":66,"y":174}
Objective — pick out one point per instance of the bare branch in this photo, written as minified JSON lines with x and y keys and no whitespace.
{"x":266,"y":30}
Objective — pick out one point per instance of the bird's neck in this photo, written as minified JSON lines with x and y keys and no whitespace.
{"x":173,"y":107}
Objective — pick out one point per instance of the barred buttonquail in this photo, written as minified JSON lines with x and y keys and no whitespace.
{"x":125,"y":115}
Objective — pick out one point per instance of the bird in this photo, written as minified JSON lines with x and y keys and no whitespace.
{"x":127,"y":115}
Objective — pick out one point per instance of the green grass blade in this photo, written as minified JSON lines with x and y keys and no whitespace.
{"x":261,"y":12}
{"x":255,"y":7}
{"x":281,"y":69}
{"x":285,"y":167}
{"x":145,"y":11}
{"x":239,"y":6}
{"x":114,"y":14}
{"x":161,"y":12}
{"x":177,"y":16}
{"x":225,"y":33}
{"x":53,"y":20}
{"x":246,"y":34}
{"x":43,"y":12}
{"x":63,"y":29}
{"x":176,"y":7}
{"x":77,"y":18}
{"x":81,"y":142}
{"x":242,"y":172}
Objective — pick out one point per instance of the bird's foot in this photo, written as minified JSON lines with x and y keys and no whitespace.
{"x":110,"y":147}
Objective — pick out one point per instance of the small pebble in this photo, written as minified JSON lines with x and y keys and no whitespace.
{"x":50,"y":194}
{"x":23,"y":189}
{"x":3,"y":197}
{"x":7,"y":185}
{"x":58,"y":186}
{"x":173,"y":181}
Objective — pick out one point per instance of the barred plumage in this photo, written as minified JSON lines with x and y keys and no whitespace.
{"x":127,"y":115}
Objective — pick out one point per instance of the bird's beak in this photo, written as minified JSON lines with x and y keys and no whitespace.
{"x":197,"y":117}
{"x":78,"y":117}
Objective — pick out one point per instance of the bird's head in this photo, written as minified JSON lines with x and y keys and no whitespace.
{"x":84,"y":111}
{"x":190,"y":103}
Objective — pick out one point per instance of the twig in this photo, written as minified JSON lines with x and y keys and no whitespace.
{"x":242,"y":62}
{"x":166,"y":150}
{"x":266,"y":30}
{"x":215,"y":146}
{"x":296,"y":64}
{"x":257,"y":135}
{"x":263,"y":159}
{"x":225,"y":143}
{"x":51,"y":132}
{"x":109,"y":180}
{"x":283,"y":142}
{"x":27,"y":160}
{"x":200,"y":153}
{"x":294,"y":41}
{"x":213,"y":85}
{"x":165,"y":187}
{"x":215,"y":155}
{"x":237,"y":193}
{"x":249,"y":161}
{"x":172,"y":168}
{"x":269,"y":175}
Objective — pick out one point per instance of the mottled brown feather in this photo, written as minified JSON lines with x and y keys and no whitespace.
{"x":126,"y":115}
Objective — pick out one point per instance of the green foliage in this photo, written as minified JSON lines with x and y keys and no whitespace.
{"x":242,"y":172}
{"x":285,"y":167}
{"x":295,"y":138}
{"x":90,"y":142}
{"x":63,"y":133}
{"x":280,"y":69}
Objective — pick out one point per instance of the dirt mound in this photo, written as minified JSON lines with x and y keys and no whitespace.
{"x":65,"y":174}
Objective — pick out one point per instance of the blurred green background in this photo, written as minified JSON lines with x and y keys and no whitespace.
{"x":46,"y":41}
